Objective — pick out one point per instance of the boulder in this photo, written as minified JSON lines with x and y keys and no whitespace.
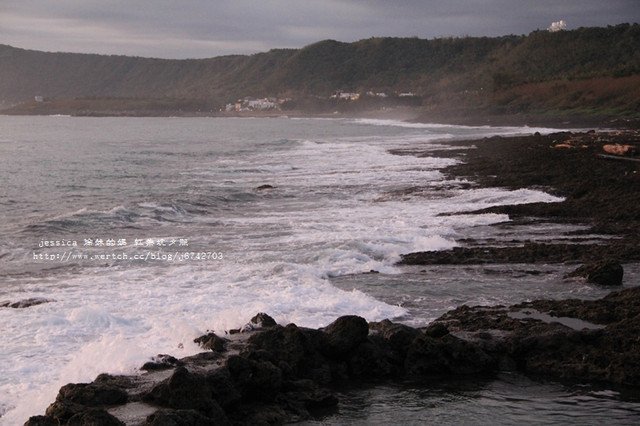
{"x":92,"y":394}
{"x":41,"y":421}
{"x":25,"y":303}
{"x":94,"y":417}
{"x":185,"y":390}
{"x":263,"y":320}
{"x":606,"y":273}
{"x":436,"y":330}
{"x":61,"y":411}
{"x":344,"y":335}
{"x":212,"y":342}
{"x":122,"y":382}
{"x":161,"y":362}
{"x":297,"y":347}
{"x":181,"y":418}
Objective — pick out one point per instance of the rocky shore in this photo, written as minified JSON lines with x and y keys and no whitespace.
{"x":272,"y":374}
{"x":266,"y":373}
{"x":601,"y":191}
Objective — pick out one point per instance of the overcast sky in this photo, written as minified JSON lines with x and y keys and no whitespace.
{"x":206,"y":28}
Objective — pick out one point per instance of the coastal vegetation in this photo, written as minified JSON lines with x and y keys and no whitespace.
{"x":587,"y":71}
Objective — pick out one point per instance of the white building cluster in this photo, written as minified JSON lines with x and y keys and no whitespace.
{"x":251,"y":104}
{"x":352,"y":96}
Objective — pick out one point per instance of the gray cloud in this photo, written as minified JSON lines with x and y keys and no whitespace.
{"x":205,"y":28}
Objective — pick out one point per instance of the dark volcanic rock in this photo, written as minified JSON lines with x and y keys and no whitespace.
{"x":25,"y":303}
{"x":94,"y":417}
{"x":277,"y":374}
{"x":397,"y":336}
{"x":615,"y":307}
{"x":304,"y":398}
{"x":122,"y":382}
{"x":255,"y":379}
{"x":436,"y":330}
{"x":295,"y":347}
{"x":211,"y":341}
{"x":179,"y":418}
{"x":552,"y":349}
{"x":369,"y":361}
{"x":261,"y":414}
{"x":223,"y":389}
{"x":41,"y":421}
{"x":92,"y":394}
{"x":162,"y":362}
{"x":61,"y":411}
{"x":608,"y":355}
{"x":81,"y":417}
{"x":597,"y":192}
{"x":185,"y":390}
{"x":530,"y":252}
{"x":345,"y":334}
{"x":263,"y":320}
{"x":607,"y":273}
{"x":428,"y":356}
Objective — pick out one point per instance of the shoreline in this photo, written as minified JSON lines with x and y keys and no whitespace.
{"x":599,"y":192}
{"x":463,"y":117}
{"x":274,"y":374}
{"x":267,"y":373}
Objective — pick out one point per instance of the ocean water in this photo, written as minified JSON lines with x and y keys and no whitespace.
{"x":146,"y":232}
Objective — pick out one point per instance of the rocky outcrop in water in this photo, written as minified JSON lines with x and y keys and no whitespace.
{"x":275,"y":374}
{"x":25,"y":303}
{"x":607,"y":273}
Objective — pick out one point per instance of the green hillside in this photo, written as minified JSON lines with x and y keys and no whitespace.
{"x":502,"y":73}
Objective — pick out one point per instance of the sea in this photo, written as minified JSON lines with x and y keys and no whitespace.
{"x":140,"y":234}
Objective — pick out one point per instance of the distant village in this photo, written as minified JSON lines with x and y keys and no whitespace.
{"x":251,"y":104}
{"x":248,"y":104}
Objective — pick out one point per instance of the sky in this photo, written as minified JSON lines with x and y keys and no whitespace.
{"x":206,"y":28}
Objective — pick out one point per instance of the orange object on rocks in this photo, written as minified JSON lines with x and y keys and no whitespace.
{"x":619,"y":149}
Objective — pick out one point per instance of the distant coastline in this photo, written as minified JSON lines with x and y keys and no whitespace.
{"x":588,"y":75}
{"x":553,"y":119}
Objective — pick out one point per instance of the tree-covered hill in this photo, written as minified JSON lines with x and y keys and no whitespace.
{"x":479,"y":72}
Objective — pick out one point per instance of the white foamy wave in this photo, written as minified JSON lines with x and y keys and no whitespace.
{"x":84,"y":211}
{"x":341,"y":205}
{"x":503,"y":130}
{"x":115,"y":333}
{"x":488,"y":197}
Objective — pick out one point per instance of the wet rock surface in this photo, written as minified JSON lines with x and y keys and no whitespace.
{"x":211,"y":341}
{"x":599,"y":192}
{"x":607,"y":273}
{"x":277,"y":374}
{"x":162,"y":362}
